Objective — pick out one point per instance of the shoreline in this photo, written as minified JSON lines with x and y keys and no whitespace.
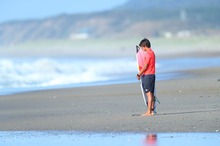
{"x":176,"y":68}
{"x":187,"y":105}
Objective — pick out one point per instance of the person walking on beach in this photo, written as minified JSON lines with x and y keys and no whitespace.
{"x":147,"y":74}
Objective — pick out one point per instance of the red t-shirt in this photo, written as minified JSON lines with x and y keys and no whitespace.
{"x":149,"y":59}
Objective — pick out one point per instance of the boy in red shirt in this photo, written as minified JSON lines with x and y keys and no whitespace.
{"x":147,"y":74}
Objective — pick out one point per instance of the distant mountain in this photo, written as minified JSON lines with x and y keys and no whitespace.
{"x":168,"y":4}
{"x":166,"y":9}
{"x":134,"y":18}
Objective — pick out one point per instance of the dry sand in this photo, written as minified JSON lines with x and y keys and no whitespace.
{"x":187,"y":105}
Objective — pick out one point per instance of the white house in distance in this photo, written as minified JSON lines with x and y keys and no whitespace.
{"x":81,"y":35}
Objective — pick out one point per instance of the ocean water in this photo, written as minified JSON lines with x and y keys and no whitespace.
{"x":25,"y":74}
{"x":21,"y":74}
{"x":58,"y":138}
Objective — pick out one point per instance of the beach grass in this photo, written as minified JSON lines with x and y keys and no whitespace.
{"x":109,"y":46}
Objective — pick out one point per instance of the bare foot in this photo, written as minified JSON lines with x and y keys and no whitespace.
{"x":147,"y":114}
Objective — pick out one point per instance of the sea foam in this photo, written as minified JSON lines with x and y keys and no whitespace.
{"x":43,"y":72}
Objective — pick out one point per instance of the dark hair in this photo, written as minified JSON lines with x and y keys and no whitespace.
{"x":145,"y":42}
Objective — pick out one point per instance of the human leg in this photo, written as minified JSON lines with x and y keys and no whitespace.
{"x":149,"y":84}
{"x":150,"y":103}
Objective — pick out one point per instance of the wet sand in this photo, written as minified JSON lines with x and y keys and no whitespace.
{"x":187,"y":105}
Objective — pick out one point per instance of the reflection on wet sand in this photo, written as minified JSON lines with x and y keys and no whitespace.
{"x":150,"y":140}
{"x":65,"y":138}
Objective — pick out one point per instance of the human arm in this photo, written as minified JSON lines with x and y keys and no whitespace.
{"x":146,"y":61}
{"x":142,"y":70}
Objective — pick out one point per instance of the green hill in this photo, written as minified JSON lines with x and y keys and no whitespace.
{"x":134,"y":18}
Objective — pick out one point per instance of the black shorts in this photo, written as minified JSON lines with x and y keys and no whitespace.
{"x":148,"y":83}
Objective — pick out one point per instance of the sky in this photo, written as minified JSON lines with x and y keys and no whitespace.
{"x":11,"y":10}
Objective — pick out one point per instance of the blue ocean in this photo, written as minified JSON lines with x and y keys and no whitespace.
{"x":27,"y":74}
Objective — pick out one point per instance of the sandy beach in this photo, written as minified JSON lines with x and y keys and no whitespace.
{"x":187,"y":105}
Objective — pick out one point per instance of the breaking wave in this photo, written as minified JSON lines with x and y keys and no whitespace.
{"x":43,"y":72}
